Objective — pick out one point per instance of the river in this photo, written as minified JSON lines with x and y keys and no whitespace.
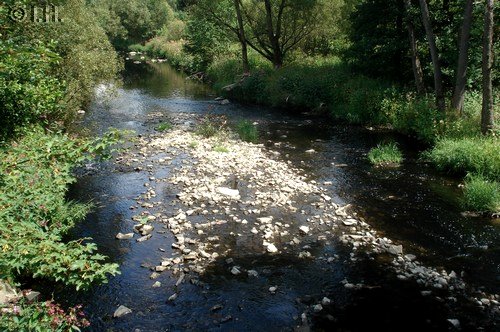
{"x":412,"y":205}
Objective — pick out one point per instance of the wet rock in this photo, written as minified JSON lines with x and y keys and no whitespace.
{"x":235,"y":270}
{"x":395,"y":250}
{"x":144,"y":238}
{"x":224,"y":102}
{"x":231,"y":193}
{"x":121,"y":311}
{"x":147,"y":229}
{"x":217,"y":307}
{"x":154,"y":275}
{"x":410,"y":257}
{"x":326,"y":301}
{"x":310,"y":151}
{"x":121,"y":236}
{"x":172,"y":297}
{"x":271,"y":248}
{"x":317,"y":308}
{"x":454,"y":322}
{"x":157,"y":284}
{"x":350,"y":222}
{"x":253,"y":273}
{"x":304,"y":230}
{"x":273,"y":289}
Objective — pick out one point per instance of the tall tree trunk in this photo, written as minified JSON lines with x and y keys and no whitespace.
{"x":273,"y":35}
{"x":438,"y":75}
{"x":487,"y":116}
{"x":457,"y":102}
{"x":415,"y":59}
{"x":242,"y":38}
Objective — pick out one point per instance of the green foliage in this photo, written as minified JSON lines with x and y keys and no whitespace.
{"x":28,"y":93}
{"x":220,"y":149}
{"x":475,"y":155}
{"x":164,"y":126}
{"x":172,"y":51}
{"x":247,"y":131}
{"x":211,"y":125}
{"x":36,"y":171}
{"x":481,"y":194}
{"x":42,"y":316}
{"x":385,"y":154}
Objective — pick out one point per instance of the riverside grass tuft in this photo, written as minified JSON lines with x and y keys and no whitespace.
{"x":247,"y":131}
{"x":481,"y":194}
{"x":385,"y":154}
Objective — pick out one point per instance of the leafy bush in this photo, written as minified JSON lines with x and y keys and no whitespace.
{"x":34,"y":214}
{"x":28,"y":94}
{"x":247,"y":131}
{"x":385,"y":154}
{"x":476,"y":155}
{"x":42,"y":316}
{"x":481,"y":194}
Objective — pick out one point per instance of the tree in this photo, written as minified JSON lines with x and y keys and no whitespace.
{"x":431,"y":38}
{"x":278,"y":26}
{"x":415,"y":59}
{"x":457,"y":102}
{"x":487,"y":116}
{"x":241,"y":37}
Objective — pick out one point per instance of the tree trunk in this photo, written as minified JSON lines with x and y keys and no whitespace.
{"x":438,"y":76}
{"x":242,"y":38}
{"x":415,"y":59}
{"x":487,"y":116}
{"x":273,"y":35}
{"x":457,"y":102}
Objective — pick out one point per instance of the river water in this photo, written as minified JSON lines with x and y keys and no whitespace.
{"x":412,"y":204}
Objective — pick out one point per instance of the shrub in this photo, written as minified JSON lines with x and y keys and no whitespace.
{"x":385,"y":154}
{"x":42,"y":316}
{"x":481,"y":194}
{"x":28,"y":93}
{"x":35,"y":216}
{"x":247,"y":131}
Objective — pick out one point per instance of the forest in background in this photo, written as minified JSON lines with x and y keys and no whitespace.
{"x":427,"y":69}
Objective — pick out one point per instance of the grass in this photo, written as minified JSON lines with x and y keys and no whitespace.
{"x":220,"y":148}
{"x":164,"y":126}
{"x":474,"y":155}
{"x":247,"y":131}
{"x":211,"y":125}
{"x":194,"y":144}
{"x":481,"y":194}
{"x":385,"y":154}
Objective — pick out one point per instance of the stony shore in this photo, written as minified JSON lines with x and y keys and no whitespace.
{"x":247,"y":194}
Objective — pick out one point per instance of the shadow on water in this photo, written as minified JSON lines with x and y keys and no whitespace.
{"x":411,"y":204}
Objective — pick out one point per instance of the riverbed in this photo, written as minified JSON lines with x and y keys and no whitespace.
{"x":412,"y":206}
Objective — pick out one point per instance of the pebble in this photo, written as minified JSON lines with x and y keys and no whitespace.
{"x":271,"y":248}
{"x":317,"y":308}
{"x":121,"y":236}
{"x":326,"y":301}
{"x":273,"y":289}
{"x":304,"y":230}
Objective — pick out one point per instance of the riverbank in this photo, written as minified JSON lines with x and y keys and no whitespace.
{"x":239,"y":205}
{"x":328,"y":86}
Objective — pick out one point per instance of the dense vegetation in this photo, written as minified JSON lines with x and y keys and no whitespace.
{"x":371,"y":62}
{"x":48,"y":72}
{"x":386,"y":63}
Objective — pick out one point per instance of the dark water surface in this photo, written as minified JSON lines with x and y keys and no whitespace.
{"x":411,"y":204}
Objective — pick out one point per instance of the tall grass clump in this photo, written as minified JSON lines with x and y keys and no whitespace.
{"x":481,"y":194}
{"x":475,"y":155}
{"x":247,"y":131}
{"x":385,"y":154}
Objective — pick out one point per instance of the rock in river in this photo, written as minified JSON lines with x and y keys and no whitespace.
{"x":121,"y":311}
{"x":121,"y":236}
